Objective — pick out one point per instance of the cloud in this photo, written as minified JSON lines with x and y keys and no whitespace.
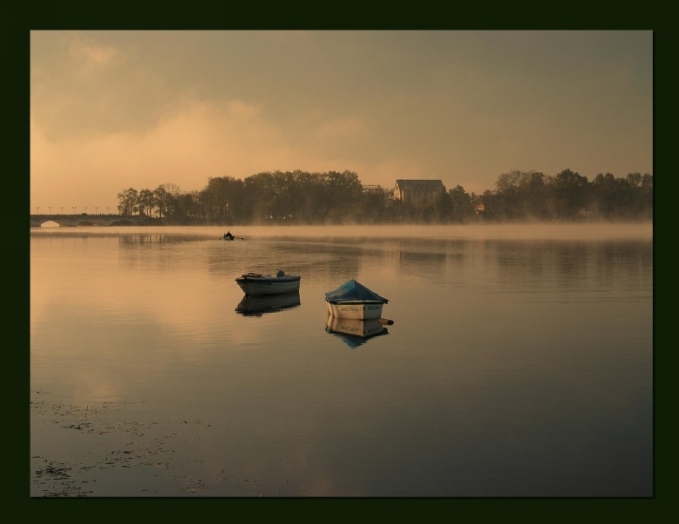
{"x":196,"y":141}
{"x":350,"y":128}
{"x":88,"y":56}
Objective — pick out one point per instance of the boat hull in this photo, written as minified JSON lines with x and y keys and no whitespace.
{"x":358,"y":310}
{"x":268,"y":285}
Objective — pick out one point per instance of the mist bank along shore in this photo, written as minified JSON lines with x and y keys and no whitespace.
{"x":642,"y":230}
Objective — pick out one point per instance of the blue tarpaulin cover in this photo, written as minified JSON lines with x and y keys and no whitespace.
{"x":352,"y":290}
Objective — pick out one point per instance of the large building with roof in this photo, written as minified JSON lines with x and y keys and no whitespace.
{"x":418,"y":192}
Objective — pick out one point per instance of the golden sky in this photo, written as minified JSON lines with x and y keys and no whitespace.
{"x":111,"y":110}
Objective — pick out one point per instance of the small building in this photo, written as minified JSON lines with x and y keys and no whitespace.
{"x":418,"y":192}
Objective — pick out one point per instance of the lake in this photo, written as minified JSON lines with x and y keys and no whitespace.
{"x":519,"y":363}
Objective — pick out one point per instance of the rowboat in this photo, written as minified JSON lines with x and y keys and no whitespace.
{"x":355,"y":301}
{"x":258,"y":284}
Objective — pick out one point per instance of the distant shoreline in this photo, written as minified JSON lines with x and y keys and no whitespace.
{"x":159,"y":222}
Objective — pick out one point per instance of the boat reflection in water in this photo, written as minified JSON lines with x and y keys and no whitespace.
{"x":355,"y":332}
{"x":256,"y":305}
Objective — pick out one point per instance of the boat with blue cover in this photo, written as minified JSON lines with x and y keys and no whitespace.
{"x":353,"y":300}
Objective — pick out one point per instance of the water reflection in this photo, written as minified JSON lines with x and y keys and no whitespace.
{"x":550,"y":359}
{"x":258,"y":305}
{"x":571,"y":265}
{"x":355,"y":332}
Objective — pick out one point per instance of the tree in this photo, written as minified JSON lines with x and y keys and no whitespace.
{"x":145,"y":201}
{"x":443,"y":206}
{"x":641,"y":195}
{"x":308,"y":194}
{"x":522,"y":194}
{"x":342,"y":193}
{"x":128,"y":200}
{"x":160,"y":199}
{"x":534,"y":195}
{"x":188,"y":207}
{"x":647,"y":194}
{"x":610,"y":195}
{"x":373,"y":208}
{"x":634,"y":179}
{"x":462,"y":208}
{"x":260,"y":194}
{"x":508,"y":182}
{"x":222,"y":199}
{"x":571,"y":193}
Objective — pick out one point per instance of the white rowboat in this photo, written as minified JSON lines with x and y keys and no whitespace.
{"x":257,"y":284}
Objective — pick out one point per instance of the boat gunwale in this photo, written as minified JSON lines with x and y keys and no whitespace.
{"x":264,"y":278}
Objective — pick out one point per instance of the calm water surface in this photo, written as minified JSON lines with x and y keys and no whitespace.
{"x":519,"y":363}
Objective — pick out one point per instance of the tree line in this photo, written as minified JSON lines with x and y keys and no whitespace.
{"x":300,"y":197}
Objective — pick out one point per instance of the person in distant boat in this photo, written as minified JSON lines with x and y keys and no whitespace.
{"x":228,"y":236}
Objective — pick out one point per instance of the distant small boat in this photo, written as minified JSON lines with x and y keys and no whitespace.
{"x":258,"y":284}
{"x":256,"y":305}
{"x":353,"y":300}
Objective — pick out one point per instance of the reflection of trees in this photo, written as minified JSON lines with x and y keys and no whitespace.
{"x":622,"y":262}
{"x":570,"y":265}
{"x":157,"y":249}
{"x":155,"y":238}
{"x":427,"y":264}
{"x":563,"y":263}
{"x":528,"y":265}
{"x":311,"y":258}
{"x":421,"y":257}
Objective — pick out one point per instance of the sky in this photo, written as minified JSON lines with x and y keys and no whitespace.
{"x":112,"y":110}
